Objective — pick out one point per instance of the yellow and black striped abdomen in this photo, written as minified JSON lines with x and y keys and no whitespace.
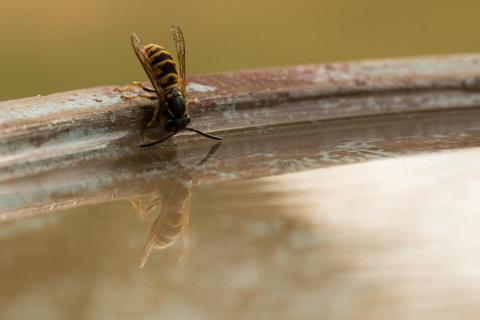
{"x":163,"y":65}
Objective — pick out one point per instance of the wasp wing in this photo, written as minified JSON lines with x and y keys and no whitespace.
{"x":142,"y":56}
{"x":172,"y":220}
{"x":180,"y":46}
{"x":185,"y":228}
{"x":157,"y":225}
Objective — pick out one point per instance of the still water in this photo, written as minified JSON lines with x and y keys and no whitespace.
{"x":349,"y":242}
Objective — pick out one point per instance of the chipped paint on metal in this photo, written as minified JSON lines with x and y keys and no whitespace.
{"x":72,"y":142}
{"x":112,"y":115}
{"x":198,"y":87}
{"x":44,"y":106}
{"x":230,"y":113}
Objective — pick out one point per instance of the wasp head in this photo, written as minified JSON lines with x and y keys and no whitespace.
{"x":177,"y":124}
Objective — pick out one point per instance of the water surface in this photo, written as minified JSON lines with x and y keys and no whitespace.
{"x":356,"y":241}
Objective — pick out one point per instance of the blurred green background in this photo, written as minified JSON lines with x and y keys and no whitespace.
{"x":56,"y":45}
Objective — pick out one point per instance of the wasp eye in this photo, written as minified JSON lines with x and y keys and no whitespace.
{"x":170,"y":125}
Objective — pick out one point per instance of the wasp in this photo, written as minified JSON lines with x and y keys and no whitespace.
{"x":173,"y":220}
{"x":168,"y":84}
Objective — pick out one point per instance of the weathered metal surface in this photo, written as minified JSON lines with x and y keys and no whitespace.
{"x":60,"y":130}
{"x":244,"y":154}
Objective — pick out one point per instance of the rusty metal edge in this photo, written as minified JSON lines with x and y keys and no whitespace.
{"x":42,"y":133}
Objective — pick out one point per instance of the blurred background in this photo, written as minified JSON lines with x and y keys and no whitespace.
{"x":347,"y":242}
{"x":57,"y":45}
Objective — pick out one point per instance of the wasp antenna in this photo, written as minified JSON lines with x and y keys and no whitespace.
{"x":156,"y":142}
{"x":211,"y":136}
{"x":210,"y":153}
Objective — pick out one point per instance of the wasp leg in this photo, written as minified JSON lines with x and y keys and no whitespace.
{"x":144,"y":96}
{"x":154,"y":117}
{"x":135,"y":84}
{"x":152,"y":120}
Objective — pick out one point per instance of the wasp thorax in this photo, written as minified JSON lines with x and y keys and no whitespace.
{"x":176,"y":104}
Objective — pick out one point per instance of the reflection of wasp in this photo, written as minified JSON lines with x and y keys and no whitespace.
{"x":169,"y":86}
{"x":172,"y":197}
{"x":171,"y":222}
